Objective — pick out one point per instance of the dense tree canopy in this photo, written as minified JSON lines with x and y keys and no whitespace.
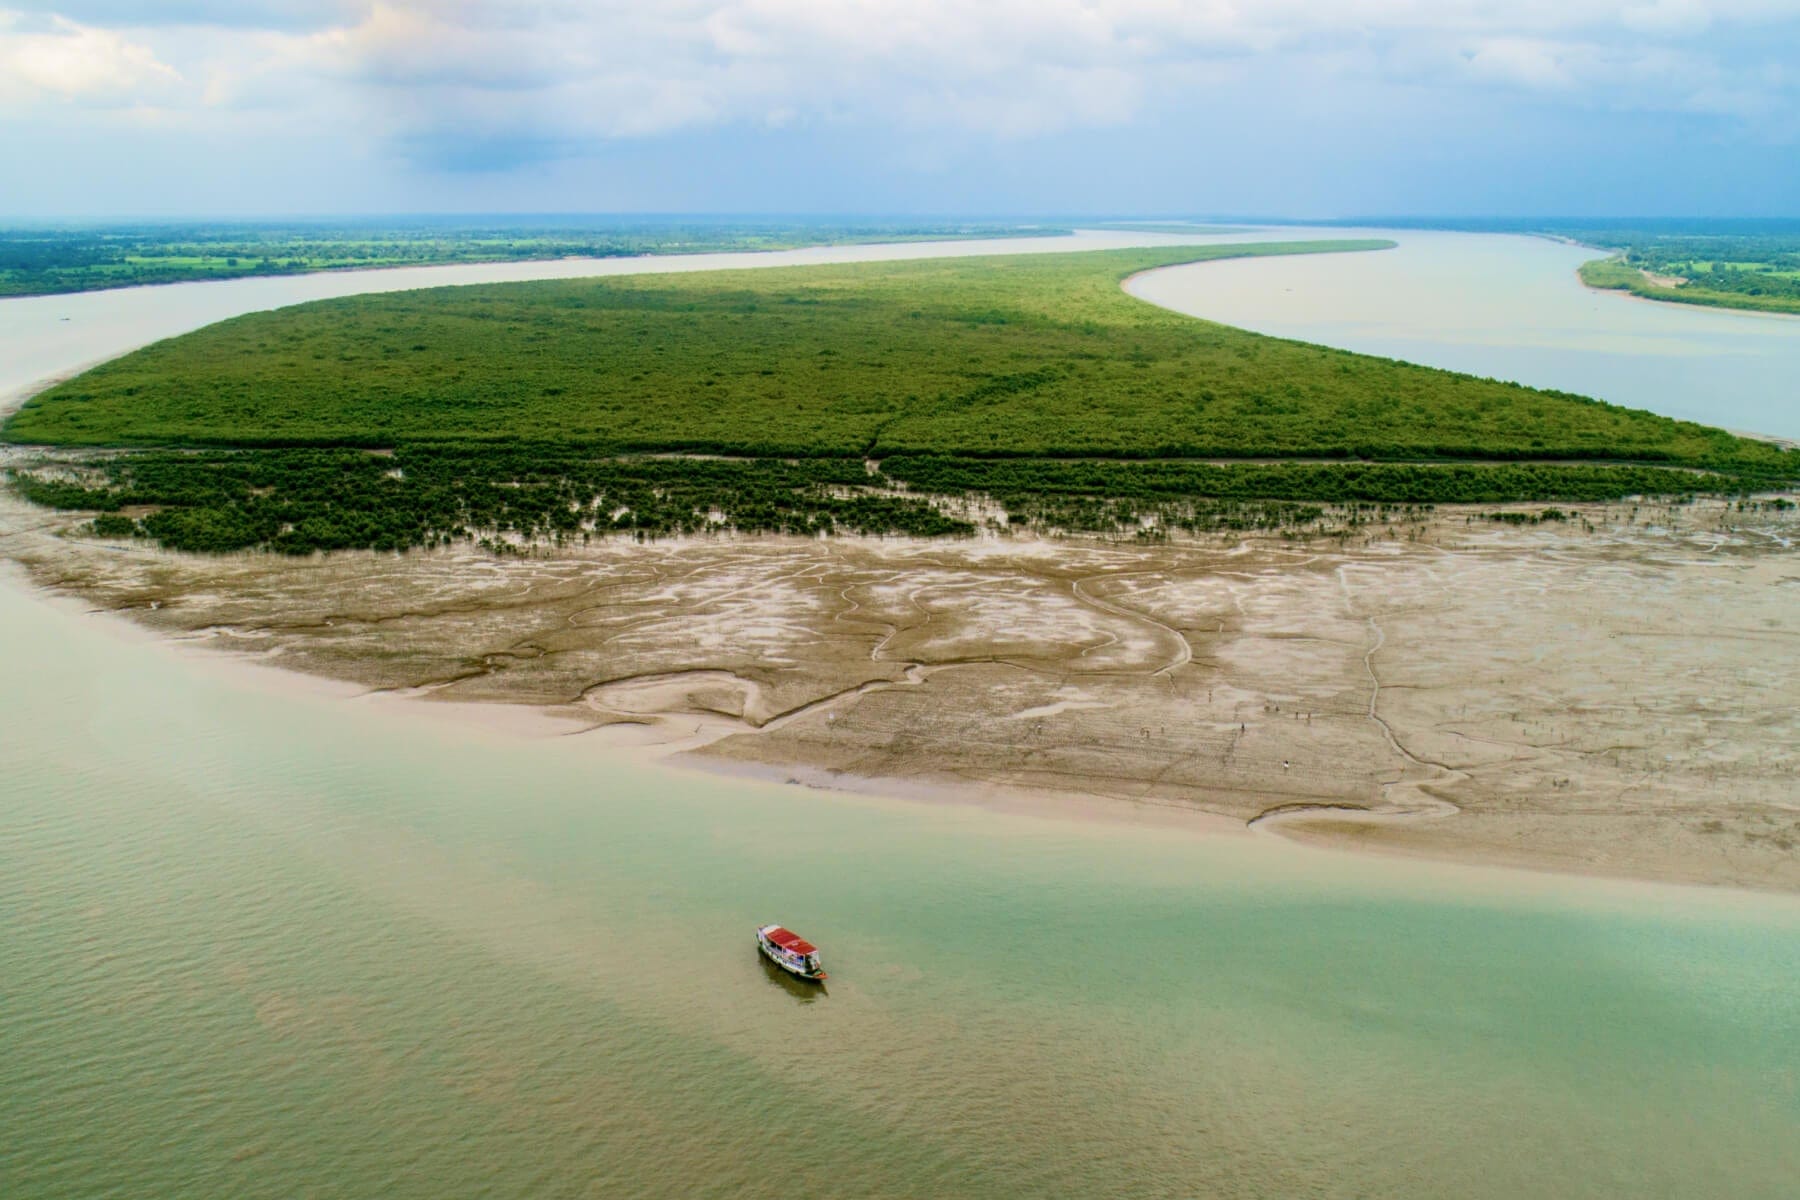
{"x":1029,"y":356}
{"x":877,"y":398}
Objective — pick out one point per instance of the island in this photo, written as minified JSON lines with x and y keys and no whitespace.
{"x":990,"y":528}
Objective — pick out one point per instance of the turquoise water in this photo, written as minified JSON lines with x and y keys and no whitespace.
{"x":261,"y":943}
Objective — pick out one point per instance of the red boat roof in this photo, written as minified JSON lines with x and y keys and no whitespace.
{"x":787,"y":939}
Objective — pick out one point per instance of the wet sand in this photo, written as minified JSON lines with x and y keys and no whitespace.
{"x":1609,"y":695}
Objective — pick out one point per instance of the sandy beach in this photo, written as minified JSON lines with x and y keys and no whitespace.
{"x":1603,"y":695}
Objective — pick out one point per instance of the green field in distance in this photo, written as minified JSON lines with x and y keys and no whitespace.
{"x":44,"y":259}
{"x":1756,"y":270}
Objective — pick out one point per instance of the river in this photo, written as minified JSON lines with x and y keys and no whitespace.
{"x":263,"y":939}
{"x":1510,"y":308}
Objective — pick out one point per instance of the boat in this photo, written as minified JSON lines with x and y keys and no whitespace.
{"x":791,"y":952}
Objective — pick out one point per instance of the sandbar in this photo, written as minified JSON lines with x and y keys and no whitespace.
{"x":1609,"y":694}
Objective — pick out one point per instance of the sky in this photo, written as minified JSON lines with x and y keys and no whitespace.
{"x":1295,"y":108}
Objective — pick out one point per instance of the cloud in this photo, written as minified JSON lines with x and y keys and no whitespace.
{"x":62,"y":60}
{"x":488,"y":84}
{"x":421,"y":46}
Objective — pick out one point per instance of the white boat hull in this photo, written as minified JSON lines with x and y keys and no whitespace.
{"x":799,"y":966}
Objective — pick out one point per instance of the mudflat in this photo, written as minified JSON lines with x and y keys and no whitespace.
{"x":1610,"y":693}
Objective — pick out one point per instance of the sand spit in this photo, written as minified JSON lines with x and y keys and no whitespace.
{"x":1611,"y":694}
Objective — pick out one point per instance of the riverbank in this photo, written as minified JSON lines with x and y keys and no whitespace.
{"x":1614,"y":275}
{"x":1443,"y":687}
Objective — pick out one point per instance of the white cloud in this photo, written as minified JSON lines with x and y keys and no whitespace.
{"x":1008,"y":68}
{"x":553,"y":74}
{"x":65,"y":61}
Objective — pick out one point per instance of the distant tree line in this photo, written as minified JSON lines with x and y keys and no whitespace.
{"x":44,"y":259}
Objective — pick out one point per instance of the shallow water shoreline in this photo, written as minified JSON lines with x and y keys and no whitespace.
{"x":831,"y":716}
{"x":512,"y":727}
{"x":266,"y":941}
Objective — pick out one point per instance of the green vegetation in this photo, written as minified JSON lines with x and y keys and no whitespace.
{"x":1113,"y":496}
{"x":46,"y":259}
{"x":1022,"y":484}
{"x":299,"y":501}
{"x":877,"y":398}
{"x":1759,"y":271}
{"x":1020,"y":356}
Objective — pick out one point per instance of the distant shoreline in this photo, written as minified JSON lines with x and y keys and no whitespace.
{"x":449,"y":258}
{"x":1649,"y":290}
